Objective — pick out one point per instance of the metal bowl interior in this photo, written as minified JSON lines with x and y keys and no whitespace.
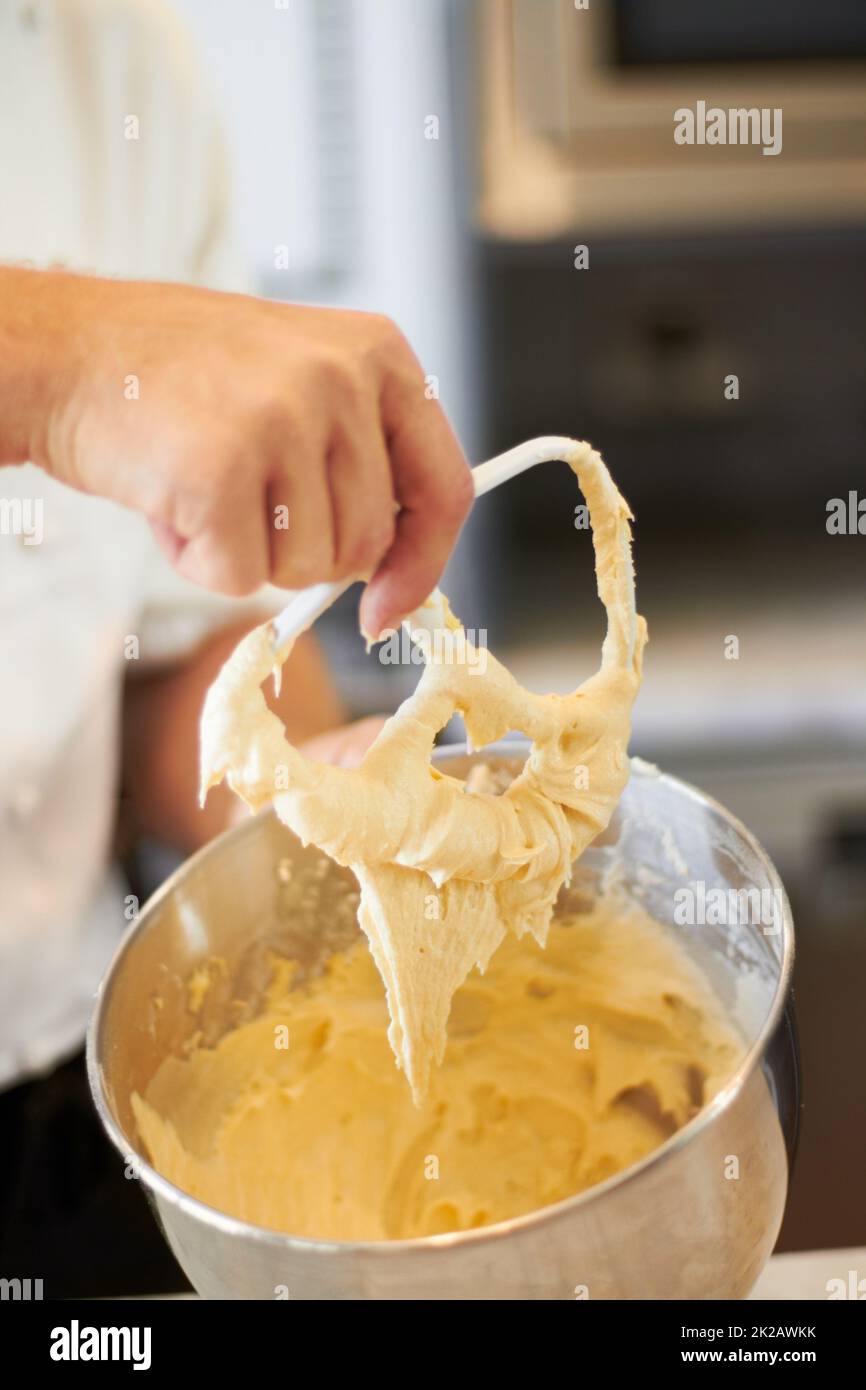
{"x":257,"y":891}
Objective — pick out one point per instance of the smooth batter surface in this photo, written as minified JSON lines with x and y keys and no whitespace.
{"x":446,"y":873}
{"x":322,"y":1139}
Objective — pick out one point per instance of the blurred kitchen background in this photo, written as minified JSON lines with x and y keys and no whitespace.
{"x":441,"y":162}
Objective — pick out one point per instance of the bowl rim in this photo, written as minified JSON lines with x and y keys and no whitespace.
{"x":194,"y":1207}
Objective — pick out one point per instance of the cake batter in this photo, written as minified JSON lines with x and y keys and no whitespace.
{"x":562,"y":1067}
{"x":446,"y":872}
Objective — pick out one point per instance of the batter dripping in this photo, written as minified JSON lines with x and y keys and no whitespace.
{"x":446,"y":872}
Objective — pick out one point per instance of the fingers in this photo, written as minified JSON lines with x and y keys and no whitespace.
{"x":433,"y":484}
{"x":229,"y":549}
{"x":341,"y":512}
{"x":325,"y":511}
{"x":362,"y":498}
{"x":299,"y":518}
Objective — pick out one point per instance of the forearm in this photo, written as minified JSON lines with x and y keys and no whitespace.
{"x":161,"y":716}
{"x":37,"y":336}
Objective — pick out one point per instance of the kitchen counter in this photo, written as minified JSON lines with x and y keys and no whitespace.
{"x":801,"y":1275}
{"x":805,"y":1274}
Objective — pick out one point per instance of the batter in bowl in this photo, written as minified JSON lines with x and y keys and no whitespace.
{"x":563,"y":1066}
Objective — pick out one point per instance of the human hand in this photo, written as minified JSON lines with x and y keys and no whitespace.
{"x":264,"y":441}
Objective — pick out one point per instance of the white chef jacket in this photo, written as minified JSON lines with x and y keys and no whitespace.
{"x":75,"y":190}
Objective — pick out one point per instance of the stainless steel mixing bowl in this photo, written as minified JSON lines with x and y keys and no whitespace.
{"x":695,"y":1219}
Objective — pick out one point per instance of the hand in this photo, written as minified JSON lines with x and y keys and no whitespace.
{"x":211,"y":412}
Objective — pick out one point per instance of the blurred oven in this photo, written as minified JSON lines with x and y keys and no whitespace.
{"x":577,"y":111}
{"x":702,"y":263}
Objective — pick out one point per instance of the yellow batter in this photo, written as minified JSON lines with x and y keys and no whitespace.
{"x":446,"y":872}
{"x":562,"y":1067}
